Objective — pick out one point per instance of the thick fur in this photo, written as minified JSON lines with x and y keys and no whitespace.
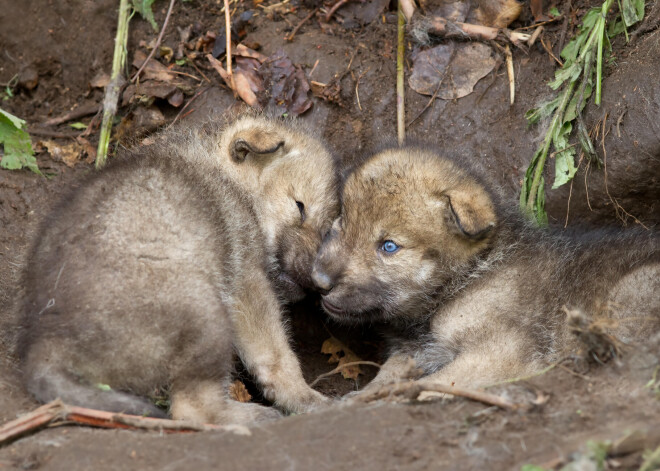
{"x":474,"y":293}
{"x":156,"y":269}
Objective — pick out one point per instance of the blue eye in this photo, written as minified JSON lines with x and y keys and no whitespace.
{"x":389,"y":247}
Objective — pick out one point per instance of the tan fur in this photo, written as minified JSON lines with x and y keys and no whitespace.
{"x":474,"y":294}
{"x":156,"y":269}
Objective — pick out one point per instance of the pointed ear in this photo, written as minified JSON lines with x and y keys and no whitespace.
{"x":470,"y":212}
{"x":254,"y":141}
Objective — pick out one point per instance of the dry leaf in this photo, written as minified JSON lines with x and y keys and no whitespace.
{"x":100,"y":80}
{"x":154,"y":70}
{"x":238,"y":392}
{"x":68,"y":153}
{"x":88,"y":148}
{"x":469,"y":63}
{"x":341,"y":354}
{"x":285,"y":85}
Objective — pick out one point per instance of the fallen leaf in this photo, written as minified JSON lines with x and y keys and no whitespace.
{"x":68,"y":153}
{"x":176,"y":98}
{"x":341,"y":354}
{"x":149,"y":89}
{"x":470,"y":62}
{"x":285,"y":86}
{"x":88,"y":148}
{"x":238,"y":392}
{"x":154,"y":70}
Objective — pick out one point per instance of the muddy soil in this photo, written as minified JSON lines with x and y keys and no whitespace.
{"x":67,"y":42}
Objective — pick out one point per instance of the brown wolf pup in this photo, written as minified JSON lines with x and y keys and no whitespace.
{"x":473,"y":293}
{"x":156,"y":269}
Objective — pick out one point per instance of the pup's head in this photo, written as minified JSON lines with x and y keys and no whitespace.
{"x":293,"y":181}
{"x":410,"y":223}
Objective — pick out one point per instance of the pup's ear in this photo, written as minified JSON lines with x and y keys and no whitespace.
{"x":254,"y":141}
{"x":470,"y":212}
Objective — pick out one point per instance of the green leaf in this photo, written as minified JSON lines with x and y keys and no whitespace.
{"x":78,"y":125}
{"x":532,"y":467}
{"x":564,"y":167}
{"x":18,"y":151}
{"x":554,"y":11}
{"x":181,"y":62}
{"x":615,"y":27}
{"x":570,"y":71}
{"x":103,"y":387}
{"x":144,"y":8}
{"x":633,"y":11}
{"x":571,"y":111}
{"x":543,"y":111}
{"x":572,"y":49}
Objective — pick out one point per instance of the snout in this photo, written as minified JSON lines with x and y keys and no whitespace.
{"x":322,"y":280}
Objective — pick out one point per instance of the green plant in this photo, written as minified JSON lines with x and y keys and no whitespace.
{"x":580,"y":75}
{"x":18,"y":151}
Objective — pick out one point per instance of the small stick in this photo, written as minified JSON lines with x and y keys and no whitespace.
{"x":57,"y":413}
{"x":536,"y":25}
{"x":548,"y":49}
{"x":411,"y":390}
{"x":443,"y":27}
{"x":400,"y":90}
{"x":509,"y":70}
{"x":158,"y":41}
{"x":78,"y":113}
{"x":341,"y":367}
{"x":192,"y":62}
{"x":203,"y":90}
{"x":55,"y":134}
{"x":302,"y":22}
{"x":116,"y":82}
{"x":334,"y":8}
{"x":232,"y":84}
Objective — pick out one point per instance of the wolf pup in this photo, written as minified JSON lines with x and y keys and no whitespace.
{"x":473,"y":293}
{"x":154,"y":271}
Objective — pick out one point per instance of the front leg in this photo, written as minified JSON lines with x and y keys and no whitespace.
{"x":263,"y":346}
{"x":397,"y":368}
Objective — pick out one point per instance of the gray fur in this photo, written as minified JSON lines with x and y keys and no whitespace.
{"x":154,"y":271}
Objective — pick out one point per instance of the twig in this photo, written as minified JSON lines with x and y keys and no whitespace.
{"x":334,"y":8}
{"x":536,"y":25}
{"x":411,"y":390}
{"x":57,"y":413}
{"x":302,"y":22}
{"x":509,"y":70}
{"x":200,"y":92}
{"x":357,"y":84}
{"x":192,"y":62}
{"x":442,"y":27}
{"x":55,"y":134}
{"x":78,"y":113}
{"x":232,"y":84}
{"x":548,"y":49}
{"x":158,"y":41}
{"x":116,"y":82}
{"x":341,"y":367}
{"x":400,"y":89}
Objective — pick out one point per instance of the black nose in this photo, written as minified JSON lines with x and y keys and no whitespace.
{"x":323,"y":282}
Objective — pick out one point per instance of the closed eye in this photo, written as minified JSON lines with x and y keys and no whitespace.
{"x":301,"y":208}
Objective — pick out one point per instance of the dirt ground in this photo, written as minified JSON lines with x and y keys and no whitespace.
{"x":67,"y":42}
